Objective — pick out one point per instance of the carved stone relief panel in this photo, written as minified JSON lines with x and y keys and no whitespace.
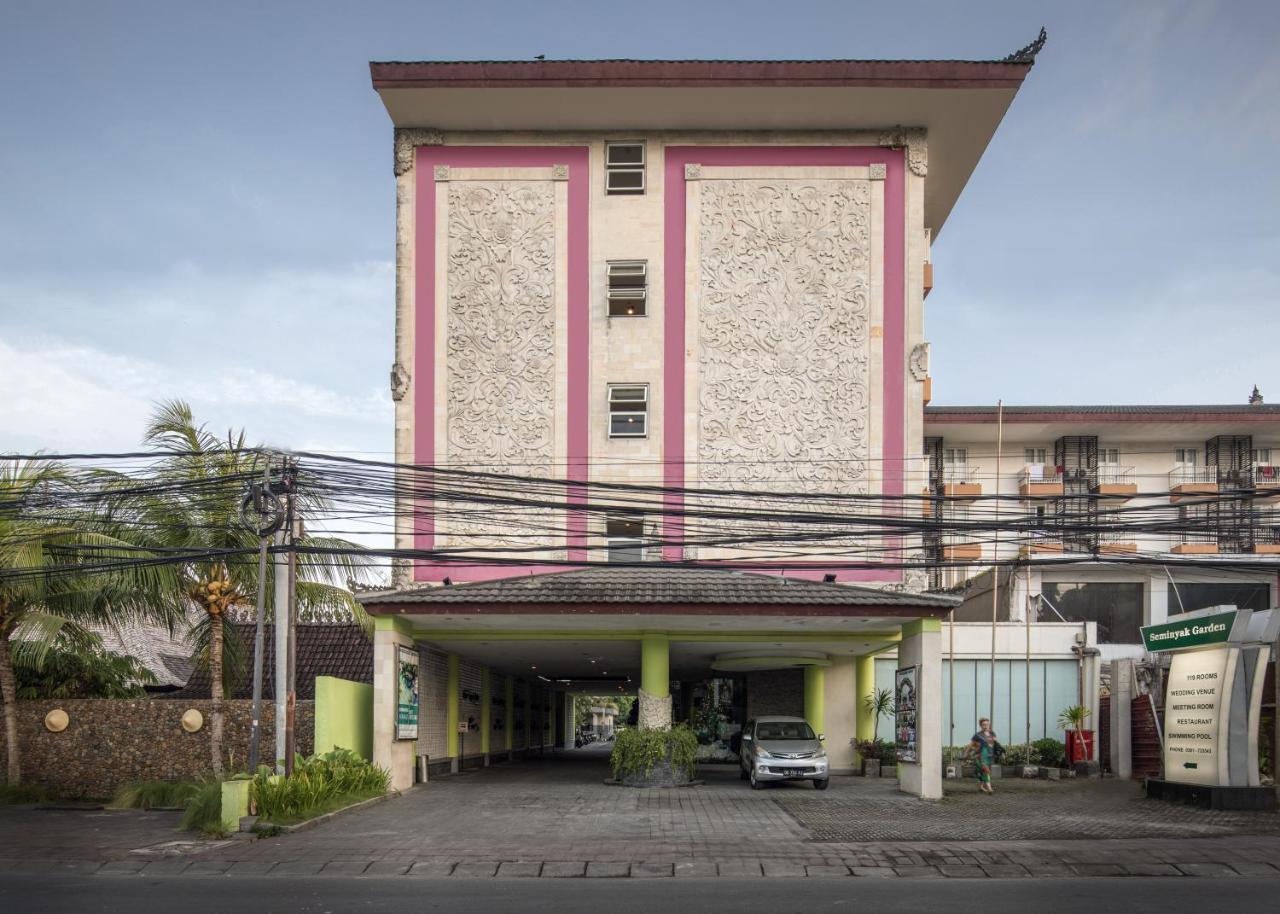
{"x":501,"y":341}
{"x":784,"y":316}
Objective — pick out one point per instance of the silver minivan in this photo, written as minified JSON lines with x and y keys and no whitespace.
{"x":782,"y":749}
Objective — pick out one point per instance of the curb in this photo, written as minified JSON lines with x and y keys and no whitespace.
{"x":320,"y":820}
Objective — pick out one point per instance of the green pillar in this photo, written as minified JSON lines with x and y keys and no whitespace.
{"x":509,"y":694}
{"x":815,"y":684}
{"x":864,"y":673}
{"x":451,"y":707}
{"x":655,"y":665}
{"x":528,"y":716}
{"x":484,"y":711}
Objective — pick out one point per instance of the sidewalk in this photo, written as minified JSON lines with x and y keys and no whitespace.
{"x":558,"y":820}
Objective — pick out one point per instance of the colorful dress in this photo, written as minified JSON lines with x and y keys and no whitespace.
{"x":986,"y":742}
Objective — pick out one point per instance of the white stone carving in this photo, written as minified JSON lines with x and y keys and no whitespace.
{"x":692,"y":171}
{"x":878,"y":171}
{"x":654,"y":713}
{"x":407,"y":138}
{"x":399,"y":382}
{"x":559,"y":172}
{"x":783,"y":336}
{"x":442,"y":172}
{"x":918,"y":363}
{"x":914,"y":141}
{"x":501,"y":339}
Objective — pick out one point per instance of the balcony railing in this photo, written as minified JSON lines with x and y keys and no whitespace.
{"x":1039,"y":479}
{"x":959,"y":472}
{"x":1112,"y":474}
{"x":1182,"y":476}
{"x":1266,"y":476}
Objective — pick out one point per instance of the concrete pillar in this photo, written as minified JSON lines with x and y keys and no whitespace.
{"x":1159,"y":596}
{"x":815,"y":698}
{"x":528,"y":717}
{"x":655,"y":682}
{"x":864,"y":688}
{"x":570,"y":720}
{"x":922,"y":647}
{"x":451,"y":712}
{"x":1121,"y":720}
{"x":486,"y":723}
{"x":509,"y":716}
{"x":839,"y":718}
{"x":396,"y":756}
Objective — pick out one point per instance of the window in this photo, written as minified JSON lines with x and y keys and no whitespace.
{"x":955,"y":464}
{"x":1186,"y":456}
{"x":1109,"y":455}
{"x":627,"y":287}
{"x":624,"y":534}
{"x":628,"y":410}
{"x":1117,"y":608}
{"x":624,"y":167}
{"x":1262,"y":457}
{"x":1034,"y":455}
{"x":1190,"y":597}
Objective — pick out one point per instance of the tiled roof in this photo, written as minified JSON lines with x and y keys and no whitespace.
{"x":166,"y":654}
{"x":656,"y":586}
{"x":343,"y":651}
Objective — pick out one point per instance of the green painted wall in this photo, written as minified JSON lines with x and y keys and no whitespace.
{"x":344,"y":716}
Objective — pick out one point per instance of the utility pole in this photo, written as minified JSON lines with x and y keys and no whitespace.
{"x":295,"y":533}
{"x":995,"y":568}
{"x":281,"y":622}
{"x":260,"y":511}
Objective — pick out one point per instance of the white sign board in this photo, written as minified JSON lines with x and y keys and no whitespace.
{"x":1199,"y":690}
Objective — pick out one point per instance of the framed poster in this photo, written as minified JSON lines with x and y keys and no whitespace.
{"x":905,"y":697}
{"x":407,"y":693}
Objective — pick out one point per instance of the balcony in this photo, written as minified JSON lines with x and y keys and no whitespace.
{"x":1186,"y":482}
{"x":1038,"y":480}
{"x":1117,"y":542}
{"x":1266,"y":479}
{"x":961,"y":547}
{"x":960,"y":480}
{"x":1266,"y":534}
{"x":1116,"y":481}
{"x":1196,"y":544}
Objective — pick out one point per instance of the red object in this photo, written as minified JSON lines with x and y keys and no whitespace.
{"x":1079,"y":746}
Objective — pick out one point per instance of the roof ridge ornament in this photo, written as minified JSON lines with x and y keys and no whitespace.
{"x":1028,"y":54}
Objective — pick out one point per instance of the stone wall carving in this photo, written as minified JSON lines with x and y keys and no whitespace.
{"x":783,"y":352}
{"x":406,"y":139}
{"x":501,"y":339}
{"x":915,"y":141}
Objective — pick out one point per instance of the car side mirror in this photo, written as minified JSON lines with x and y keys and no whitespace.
{"x":822,"y":737}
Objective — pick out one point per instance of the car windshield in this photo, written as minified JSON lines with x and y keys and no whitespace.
{"x":787,"y":730}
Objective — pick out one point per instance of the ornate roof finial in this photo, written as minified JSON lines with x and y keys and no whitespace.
{"x":1255,"y":398}
{"x":1028,"y":54}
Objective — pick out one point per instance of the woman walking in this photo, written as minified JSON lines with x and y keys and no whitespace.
{"x":985,"y":747}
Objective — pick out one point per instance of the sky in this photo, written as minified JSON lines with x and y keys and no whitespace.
{"x":196,"y":199}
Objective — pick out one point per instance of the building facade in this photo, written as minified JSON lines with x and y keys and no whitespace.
{"x":677,"y":277}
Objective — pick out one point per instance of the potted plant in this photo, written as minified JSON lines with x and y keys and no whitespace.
{"x":870,"y":750}
{"x":880,"y":705}
{"x":1079,"y":740}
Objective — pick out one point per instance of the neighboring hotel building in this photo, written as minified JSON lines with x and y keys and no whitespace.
{"x":708,"y":272}
{"x":1130,"y":511}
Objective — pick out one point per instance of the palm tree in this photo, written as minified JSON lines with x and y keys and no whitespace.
{"x":193,"y":504}
{"x":62,"y":569}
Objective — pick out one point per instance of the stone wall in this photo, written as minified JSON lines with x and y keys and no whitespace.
{"x":775,"y":692}
{"x":110,"y":742}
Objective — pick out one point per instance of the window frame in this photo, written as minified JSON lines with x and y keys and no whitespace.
{"x":627,"y":168}
{"x":643,"y":412}
{"x":626,"y":293}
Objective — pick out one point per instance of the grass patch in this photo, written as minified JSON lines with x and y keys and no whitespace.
{"x":155,"y":795}
{"x":204,"y":811}
{"x":332,"y":804}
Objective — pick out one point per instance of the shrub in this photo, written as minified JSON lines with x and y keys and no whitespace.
{"x":24,"y":793}
{"x":878,"y":749}
{"x":204,"y":810}
{"x":637,"y":751}
{"x":317,"y":782}
{"x":1050,"y":752}
{"x":155,"y":795}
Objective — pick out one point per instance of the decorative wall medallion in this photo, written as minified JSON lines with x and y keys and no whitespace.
{"x":783,"y":334}
{"x":56,"y":720}
{"x":192,"y":720}
{"x":399,"y":382}
{"x":442,"y":172}
{"x":501,"y":338}
{"x":878,"y":171}
{"x":913,"y":140}
{"x":407,"y":138}
{"x":692,"y":171}
{"x":918,"y":363}
{"x":560,"y":172}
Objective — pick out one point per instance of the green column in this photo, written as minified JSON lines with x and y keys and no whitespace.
{"x":815,"y":683}
{"x":655,"y":665}
{"x":484,"y":711}
{"x":864,"y":673}
{"x":509,"y":695}
{"x":528,"y":717}
{"x":451,"y":707}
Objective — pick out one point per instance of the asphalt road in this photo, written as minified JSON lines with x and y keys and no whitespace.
{"x":269,"y":895}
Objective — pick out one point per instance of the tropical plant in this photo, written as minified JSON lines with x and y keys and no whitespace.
{"x":877,"y":750}
{"x":204,"y":810}
{"x":193,"y":506}
{"x":318,"y":784}
{"x":637,"y":751}
{"x":77,"y":665}
{"x":63,"y":568}
{"x":156,"y":795}
{"x":1073,"y":718}
{"x":879,"y":704}
{"x":1049,"y":752}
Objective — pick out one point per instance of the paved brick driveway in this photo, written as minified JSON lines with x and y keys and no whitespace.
{"x":552,"y":818}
